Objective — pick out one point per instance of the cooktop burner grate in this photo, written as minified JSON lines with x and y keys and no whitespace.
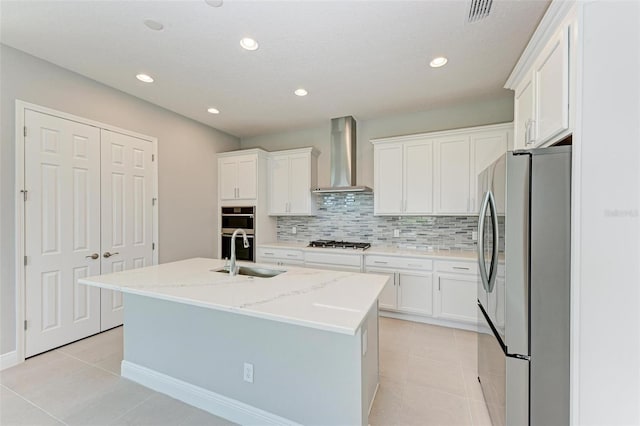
{"x":339,"y":244}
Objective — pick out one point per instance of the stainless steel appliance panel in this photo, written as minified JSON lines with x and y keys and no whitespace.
{"x":550,"y":285}
{"x":491,"y":370}
{"x":517,"y":252}
{"x":517,"y":395}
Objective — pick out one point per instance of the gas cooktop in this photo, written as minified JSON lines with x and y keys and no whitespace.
{"x":339,"y":244}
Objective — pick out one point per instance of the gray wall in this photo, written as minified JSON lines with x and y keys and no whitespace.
{"x":491,"y":111}
{"x":186,"y":159}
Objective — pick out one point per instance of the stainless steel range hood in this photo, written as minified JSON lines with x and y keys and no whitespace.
{"x":343,"y":157}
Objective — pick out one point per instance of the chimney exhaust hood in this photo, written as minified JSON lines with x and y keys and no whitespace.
{"x":343,"y":157}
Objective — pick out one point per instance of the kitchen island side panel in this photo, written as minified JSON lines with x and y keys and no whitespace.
{"x":307,"y":375}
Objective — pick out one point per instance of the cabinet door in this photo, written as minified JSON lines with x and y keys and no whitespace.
{"x":415,"y":293}
{"x":299,"y":184}
{"x":523,"y":113}
{"x":389,"y":296}
{"x":551,"y":75}
{"x":278,"y":184}
{"x":456,"y":297}
{"x":486,"y":147}
{"x":228,"y":177}
{"x":452,"y":175}
{"x":418,"y":177}
{"x":247,"y":177}
{"x":387,"y":193}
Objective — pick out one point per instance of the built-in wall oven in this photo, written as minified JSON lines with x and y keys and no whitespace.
{"x":233,"y":218}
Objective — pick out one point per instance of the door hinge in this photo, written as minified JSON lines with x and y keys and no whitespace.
{"x":26,"y":261}
{"x":24,"y":131}
{"x":24,"y":194}
{"x":153,"y":201}
{"x":153,"y":246}
{"x":25,"y":325}
{"x":153,"y":157}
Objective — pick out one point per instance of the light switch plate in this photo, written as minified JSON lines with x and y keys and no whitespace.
{"x":396,"y":233}
{"x":474,"y":235}
{"x":248,"y":372}
{"x":294,"y":230}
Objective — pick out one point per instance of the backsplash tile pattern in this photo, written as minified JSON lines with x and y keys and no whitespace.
{"x":347,"y":216}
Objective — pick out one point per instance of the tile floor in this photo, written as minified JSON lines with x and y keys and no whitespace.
{"x":427,"y":377}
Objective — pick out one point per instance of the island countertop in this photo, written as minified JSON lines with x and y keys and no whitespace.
{"x":326,"y":300}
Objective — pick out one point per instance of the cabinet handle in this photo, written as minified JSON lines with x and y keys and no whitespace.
{"x":401,"y":203}
{"x":380,"y":262}
{"x":405,"y":206}
{"x":398,"y":280}
{"x":414,"y":266}
{"x":292,"y":255}
{"x":268,"y":254}
{"x":460,"y":267}
{"x":438,"y":285}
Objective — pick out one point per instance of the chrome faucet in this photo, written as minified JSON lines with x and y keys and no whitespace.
{"x":233,"y":269}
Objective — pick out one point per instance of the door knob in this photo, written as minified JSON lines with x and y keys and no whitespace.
{"x":94,"y":256}
{"x":107,"y":254}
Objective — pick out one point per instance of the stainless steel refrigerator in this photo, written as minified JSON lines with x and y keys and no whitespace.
{"x":523,"y":339}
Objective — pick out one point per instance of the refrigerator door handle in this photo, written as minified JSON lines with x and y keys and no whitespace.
{"x":481,"y":260}
{"x":493,"y":269}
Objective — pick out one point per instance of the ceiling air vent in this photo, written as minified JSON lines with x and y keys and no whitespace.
{"x":479,"y":9}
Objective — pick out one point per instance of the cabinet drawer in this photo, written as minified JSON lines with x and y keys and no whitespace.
{"x":278,"y":253}
{"x":457,"y":267}
{"x":416,"y":263}
{"x":334,"y":259}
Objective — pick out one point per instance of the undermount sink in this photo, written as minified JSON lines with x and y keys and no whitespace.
{"x":252,"y":271}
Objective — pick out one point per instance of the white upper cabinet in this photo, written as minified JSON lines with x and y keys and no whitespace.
{"x":452,"y":174}
{"x":544,"y":80}
{"x":403,"y":178}
{"x":292,"y":176}
{"x":418,"y":177}
{"x":486,"y":147}
{"x":551,"y":78}
{"x":238,"y":176}
{"x":388,"y":179}
{"x":435,"y":173}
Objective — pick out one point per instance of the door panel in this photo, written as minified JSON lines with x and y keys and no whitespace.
{"x":247,"y":177}
{"x":299,"y":185}
{"x":452,"y":175}
{"x":457,"y":297}
{"x":388,"y":298}
{"x":127,"y":215}
{"x":62,"y":228}
{"x":228,"y":178}
{"x":388,"y":179}
{"x":415,"y":293}
{"x":279,"y":185}
{"x":418,"y":178}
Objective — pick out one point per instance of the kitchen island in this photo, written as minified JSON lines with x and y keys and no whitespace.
{"x":297,"y":348}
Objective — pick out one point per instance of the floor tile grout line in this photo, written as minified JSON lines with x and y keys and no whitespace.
{"x":113,"y":422}
{"x":91,"y":364}
{"x":34,"y":404}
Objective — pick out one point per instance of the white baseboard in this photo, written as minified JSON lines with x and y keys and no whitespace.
{"x":212,"y":402}
{"x":8,"y":360}
{"x":429,"y":320}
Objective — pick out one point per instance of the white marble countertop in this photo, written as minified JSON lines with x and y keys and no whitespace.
{"x":380,"y":250}
{"x":327,"y":300}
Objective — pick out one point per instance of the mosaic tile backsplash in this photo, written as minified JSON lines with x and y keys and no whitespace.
{"x":349,"y":217}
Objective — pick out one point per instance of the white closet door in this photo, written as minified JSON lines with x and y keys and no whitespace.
{"x":62,"y":231}
{"x":127,"y":216}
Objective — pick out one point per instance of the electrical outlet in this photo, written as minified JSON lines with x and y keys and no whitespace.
{"x":294,"y":230}
{"x":248,"y":372}
{"x":396,"y":233}
{"x":474,"y":235}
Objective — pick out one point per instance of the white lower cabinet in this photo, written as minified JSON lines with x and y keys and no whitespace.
{"x":455,"y":292}
{"x":415,"y":293}
{"x":410,"y":286}
{"x":279,"y":256}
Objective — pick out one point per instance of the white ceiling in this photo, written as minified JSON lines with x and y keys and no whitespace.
{"x":361,"y":58}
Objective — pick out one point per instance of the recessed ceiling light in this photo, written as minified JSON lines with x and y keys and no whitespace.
{"x":249,"y":43}
{"x":145,"y":78}
{"x":301,"y":92}
{"x":213,"y":111}
{"x":438,"y":62}
{"x":214,"y":3}
{"x":153,"y":25}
